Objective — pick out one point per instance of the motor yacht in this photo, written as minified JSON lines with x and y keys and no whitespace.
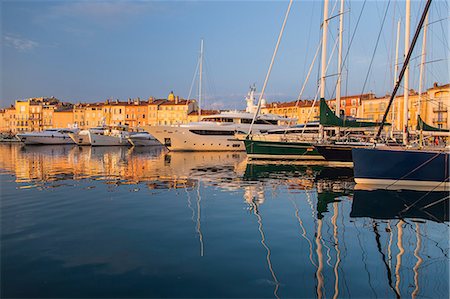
{"x":49,"y":136}
{"x":111,"y":136}
{"x":216,"y":132}
{"x":82,"y":137}
{"x":143,"y":139}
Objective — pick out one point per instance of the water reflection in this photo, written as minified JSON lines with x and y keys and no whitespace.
{"x":270,"y":230}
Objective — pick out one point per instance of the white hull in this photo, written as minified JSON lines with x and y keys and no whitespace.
{"x":106,"y":140}
{"x":178,"y":138}
{"x":143,"y":142}
{"x":36,"y":139}
{"x":80,"y":139}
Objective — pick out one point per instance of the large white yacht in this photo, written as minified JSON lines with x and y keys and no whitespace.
{"x":49,"y":136}
{"x":82,"y":137}
{"x":216,"y":132}
{"x":112,"y":135}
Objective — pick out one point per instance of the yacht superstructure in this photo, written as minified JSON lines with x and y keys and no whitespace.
{"x":113,"y":135}
{"x":49,"y":136}
{"x":82,"y":137}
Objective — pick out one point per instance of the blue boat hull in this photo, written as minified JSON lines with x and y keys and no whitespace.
{"x":413,"y":168}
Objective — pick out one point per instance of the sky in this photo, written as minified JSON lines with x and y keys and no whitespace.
{"x":89,"y":51}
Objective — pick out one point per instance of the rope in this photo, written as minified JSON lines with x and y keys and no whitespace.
{"x":415,"y":169}
{"x":270,"y":67}
{"x":376,"y":47}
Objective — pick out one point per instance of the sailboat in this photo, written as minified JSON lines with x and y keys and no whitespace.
{"x":294,"y":144}
{"x":406,"y":167}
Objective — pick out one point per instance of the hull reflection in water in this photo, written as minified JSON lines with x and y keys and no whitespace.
{"x":400,"y":204}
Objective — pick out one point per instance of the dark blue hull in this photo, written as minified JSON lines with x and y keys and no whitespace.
{"x":401,"y":167}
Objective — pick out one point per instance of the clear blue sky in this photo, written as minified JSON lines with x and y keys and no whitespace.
{"x":92,"y":50}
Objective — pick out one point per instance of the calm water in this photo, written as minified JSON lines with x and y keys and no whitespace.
{"x":121,"y":222}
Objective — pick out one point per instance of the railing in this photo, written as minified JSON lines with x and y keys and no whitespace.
{"x":440,"y":109}
{"x":440,"y":120}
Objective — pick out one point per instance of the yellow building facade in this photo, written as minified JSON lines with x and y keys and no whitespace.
{"x":434,"y":105}
{"x":63,"y":118}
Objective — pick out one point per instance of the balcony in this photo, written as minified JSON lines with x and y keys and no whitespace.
{"x":440,"y":109}
{"x":440,"y":120}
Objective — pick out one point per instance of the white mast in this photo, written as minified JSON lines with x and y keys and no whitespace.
{"x":422,"y":63}
{"x":324,"y":59}
{"x":422,"y":66}
{"x":324,"y":49}
{"x":406,"y":79}
{"x":200,"y":82}
{"x":338,"y":86}
{"x":395,"y":81}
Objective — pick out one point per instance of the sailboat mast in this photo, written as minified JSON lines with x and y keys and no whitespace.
{"x":200,"y":79}
{"x":323,"y":60}
{"x":405,"y":64}
{"x":422,"y":64}
{"x":324,"y":49}
{"x":406,"y":81}
{"x":339,"y":80}
{"x":395,"y":80}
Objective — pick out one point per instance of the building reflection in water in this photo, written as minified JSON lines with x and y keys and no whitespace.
{"x":390,"y":229}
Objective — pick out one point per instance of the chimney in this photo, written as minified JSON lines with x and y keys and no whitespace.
{"x":177,"y":99}
{"x":129,"y":101}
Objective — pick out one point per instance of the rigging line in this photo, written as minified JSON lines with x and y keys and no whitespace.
{"x":349,"y":46}
{"x":258,"y":108}
{"x":376,"y":47}
{"x":442,"y":28}
{"x":444,"y":43}
{"x":193,"y":81}
{"x":308,"y":39}
{"x":305,"y":82}
{"x":423,"y":196}
{"x":403,"y":70}
{"x":318,"y":87}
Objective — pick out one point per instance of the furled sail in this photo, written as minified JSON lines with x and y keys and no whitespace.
{"x":328,"y":118}
{"x":421,"y":125}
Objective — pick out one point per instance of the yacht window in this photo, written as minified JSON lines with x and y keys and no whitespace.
{"x":212,"y":132}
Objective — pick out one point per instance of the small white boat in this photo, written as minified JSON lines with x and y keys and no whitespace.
{"x":143,"y":139}
{"x":49,"y":136}
{"x":82,"y":137}
{"x":114,"y":135}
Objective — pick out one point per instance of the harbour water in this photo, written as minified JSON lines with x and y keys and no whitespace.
{"x":141,"y":222}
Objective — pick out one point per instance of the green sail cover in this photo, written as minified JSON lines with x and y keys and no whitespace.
{"x":328,"y":118}
{"x":421,"y":125}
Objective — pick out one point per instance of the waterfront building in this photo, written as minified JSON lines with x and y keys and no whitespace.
{"x":63,"y":117}
{"x":136,"y":113}
{"x":29,"y":113}
{"x":88,"y":115}
{"x":292,"y":110}
{"x":174,"y":110}
{"x":434,"y":108}
{"x":7,"y":120}
{"x":193,"y":116}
